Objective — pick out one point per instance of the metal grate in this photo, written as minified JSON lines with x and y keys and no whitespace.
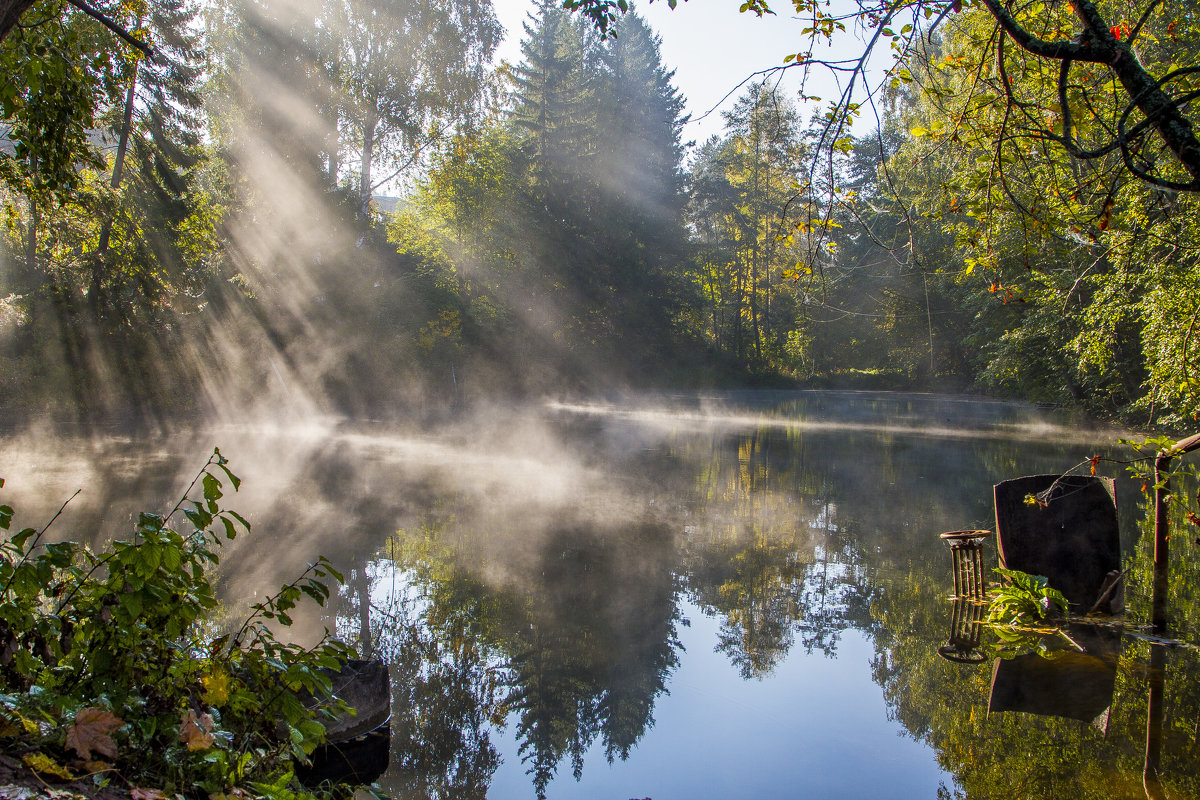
{"x":966,"y":552}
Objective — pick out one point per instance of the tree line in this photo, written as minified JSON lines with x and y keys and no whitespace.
{"x":194,"y":219}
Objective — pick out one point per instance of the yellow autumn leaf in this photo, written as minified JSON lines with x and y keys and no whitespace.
{"x":43,"y":765}
{"x":216,"y":688}
{"x":12,"y":714}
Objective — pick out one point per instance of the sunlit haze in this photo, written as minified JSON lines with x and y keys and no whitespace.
{"x":712,"y":48}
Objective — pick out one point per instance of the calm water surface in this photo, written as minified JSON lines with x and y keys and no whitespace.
{"x":735,"y":595}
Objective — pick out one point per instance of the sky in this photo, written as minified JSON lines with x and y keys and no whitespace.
{"x":710,"y":45}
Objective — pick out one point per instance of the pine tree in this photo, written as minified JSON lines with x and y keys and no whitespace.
{"x":555,"y":105}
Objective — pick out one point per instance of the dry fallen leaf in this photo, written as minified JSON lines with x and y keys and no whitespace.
{"x":91,"y":767}
{"x":45,"y":766}
{"x":148,"y":794}
{"x":194,"y":731}
{"x":90,"y":732}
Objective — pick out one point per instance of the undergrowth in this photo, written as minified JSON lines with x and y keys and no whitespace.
{"x":113,"y":669}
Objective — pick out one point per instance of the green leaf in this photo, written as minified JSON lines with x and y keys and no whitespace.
{"x":131,"y":603}
{"x":198,"y":516}
{"x":19,"y":539}
{"x":239,"y":518}
{"x":212,"y":488}
{"x":233,"y":479}
{"x":149,"y":523}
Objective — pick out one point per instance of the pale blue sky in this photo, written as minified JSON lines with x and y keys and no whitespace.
{"x":710,"y":45}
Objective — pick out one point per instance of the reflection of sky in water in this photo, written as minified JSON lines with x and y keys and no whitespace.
{"x":796,"y":531}
{"x":816,"y":727}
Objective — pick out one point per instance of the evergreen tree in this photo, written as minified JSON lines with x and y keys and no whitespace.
{"x":555,"y":106}
{"x":642,"y":237}
{"x":159,"y":126}
{"x":600,"y":126}
{"x":556,"y":120}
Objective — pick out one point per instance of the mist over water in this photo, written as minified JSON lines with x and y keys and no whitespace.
{"x":581,"y":590}
{"x":602,"y":582}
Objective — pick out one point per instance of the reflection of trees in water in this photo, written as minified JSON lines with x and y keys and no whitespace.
{"x":566,"y":618}
{"x":446,"y":682}
{"x":1010,"y":754}
{"x":575,"y":647}
{"x":596,"y":648}
{"x":789,"y":537}
{"x":445,"y":696}
{"x":771,"y":552}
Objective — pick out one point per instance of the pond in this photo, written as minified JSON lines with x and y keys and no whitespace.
{"x":722,"y":595}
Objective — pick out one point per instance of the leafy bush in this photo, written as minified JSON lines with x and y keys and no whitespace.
{"x":111,"y":666}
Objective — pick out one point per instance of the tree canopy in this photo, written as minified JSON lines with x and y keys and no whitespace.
{"x":1149,"y":124}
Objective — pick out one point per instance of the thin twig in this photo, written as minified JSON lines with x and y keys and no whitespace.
{"x":37,"y":540}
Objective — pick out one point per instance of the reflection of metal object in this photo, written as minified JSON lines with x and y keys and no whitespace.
{"x":966,"y":631}
{"x":358,"y":761}
{"x":1154,"y":723}
{"x":366,"y":687}
{"x":966,"y":551}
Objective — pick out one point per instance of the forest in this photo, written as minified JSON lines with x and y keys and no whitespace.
{"x":347,"y":203}
{"x":306,"y":211}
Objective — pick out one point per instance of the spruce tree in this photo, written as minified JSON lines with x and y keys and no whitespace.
{"x":641,"y":184}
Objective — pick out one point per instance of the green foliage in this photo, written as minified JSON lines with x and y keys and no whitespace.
{"x":1079,"y":274}
{"x":57,"y":74}
{"x":115,"y":653}
{"x":1024,"y":599}
{"x":553,"y":233}
{"x":748,"y":262}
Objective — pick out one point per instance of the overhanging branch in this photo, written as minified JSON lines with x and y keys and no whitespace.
{"x":108,"y":22}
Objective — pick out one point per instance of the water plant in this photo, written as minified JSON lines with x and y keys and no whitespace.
{"x":1024,"y":599}
{"x":113,"y":670}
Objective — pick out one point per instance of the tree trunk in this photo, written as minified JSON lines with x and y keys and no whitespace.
{"x":118,"y":168}
{"x":10,"y":12}
{"x":368,"y":153}
{"x":31,"y":237}
{"x":334,"y":148}
{"x":333,"y":145}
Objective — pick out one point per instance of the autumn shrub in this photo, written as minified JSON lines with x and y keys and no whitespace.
{"x":113,"y":669}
